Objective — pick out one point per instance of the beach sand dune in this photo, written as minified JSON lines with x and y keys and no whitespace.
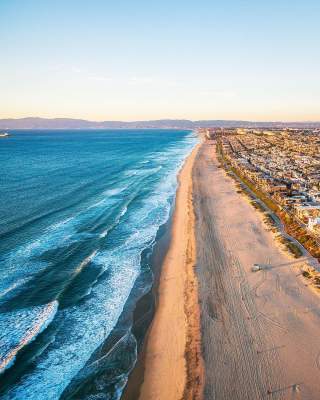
{"x":260,"y":331}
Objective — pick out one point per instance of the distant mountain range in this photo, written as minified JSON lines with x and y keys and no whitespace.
{"x":70,"y":123}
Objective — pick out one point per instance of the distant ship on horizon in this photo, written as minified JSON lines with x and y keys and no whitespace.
{"x":4,"y":134}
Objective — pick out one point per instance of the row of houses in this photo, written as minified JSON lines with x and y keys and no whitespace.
{"x":286,"y":167}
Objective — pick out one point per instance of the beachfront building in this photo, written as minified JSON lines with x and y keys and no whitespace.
{"x":314,"y":225}
{"x":284,"y":164}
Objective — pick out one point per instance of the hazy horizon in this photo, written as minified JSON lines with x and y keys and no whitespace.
{"x":236,"y":60}
{"x":161,"y":119}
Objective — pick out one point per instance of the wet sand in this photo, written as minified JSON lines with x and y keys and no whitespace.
{"x":160,"y":249}
{"x":260,"y":331}
{"x":172,"y":358}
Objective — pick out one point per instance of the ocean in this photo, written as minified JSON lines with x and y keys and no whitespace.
{"x":80,"y":212}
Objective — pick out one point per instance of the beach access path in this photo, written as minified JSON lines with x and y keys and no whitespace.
{"x":260,"y":330}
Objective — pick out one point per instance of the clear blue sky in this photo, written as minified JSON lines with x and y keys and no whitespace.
{"x":130,"y":60}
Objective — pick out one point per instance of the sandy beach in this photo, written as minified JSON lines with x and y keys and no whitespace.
{"x":260,"y":331}
{"x":221,"y":331}
{"x":173,"y":363}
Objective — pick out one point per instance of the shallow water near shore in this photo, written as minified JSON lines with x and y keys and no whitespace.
{"x":76,"y":238}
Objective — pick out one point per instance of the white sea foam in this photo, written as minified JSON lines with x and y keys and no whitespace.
{"x":14,"y":287}
{"x":85,"y":325}
{"x":19,"y":328}
{"x":59,"y":224}
{"x":22,"y":262}
{"x":117,"y":220}
{"x":115,"y":191}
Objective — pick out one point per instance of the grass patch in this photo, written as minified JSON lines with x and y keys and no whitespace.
{"x":295,"y":250}
{"x":312,"y":275}
{"x":270,"y":222}
{"x":292,"y":247}
{"x":306,"y":274}
{"x":258,"y":206}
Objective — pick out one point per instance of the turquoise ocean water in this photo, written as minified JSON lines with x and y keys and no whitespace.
{"x":78,"y":209}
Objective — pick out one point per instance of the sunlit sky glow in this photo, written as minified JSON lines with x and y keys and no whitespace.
{"x":135,"y":60}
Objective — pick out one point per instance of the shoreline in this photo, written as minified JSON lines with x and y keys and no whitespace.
{"x":136,"y":318}
{"x":135,"y":377}
{"x":173,"y":339}
{"x":234,"y":307}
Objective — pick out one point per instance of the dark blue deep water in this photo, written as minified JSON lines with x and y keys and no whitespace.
{"x":77,"y":210}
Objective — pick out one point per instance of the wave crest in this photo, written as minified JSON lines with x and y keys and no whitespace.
{"x":19,"y":328}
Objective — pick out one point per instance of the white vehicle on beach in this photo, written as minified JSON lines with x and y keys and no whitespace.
{"x":256,"y":267}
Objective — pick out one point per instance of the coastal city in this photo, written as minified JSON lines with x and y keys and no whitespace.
{"x":283,"y":164}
